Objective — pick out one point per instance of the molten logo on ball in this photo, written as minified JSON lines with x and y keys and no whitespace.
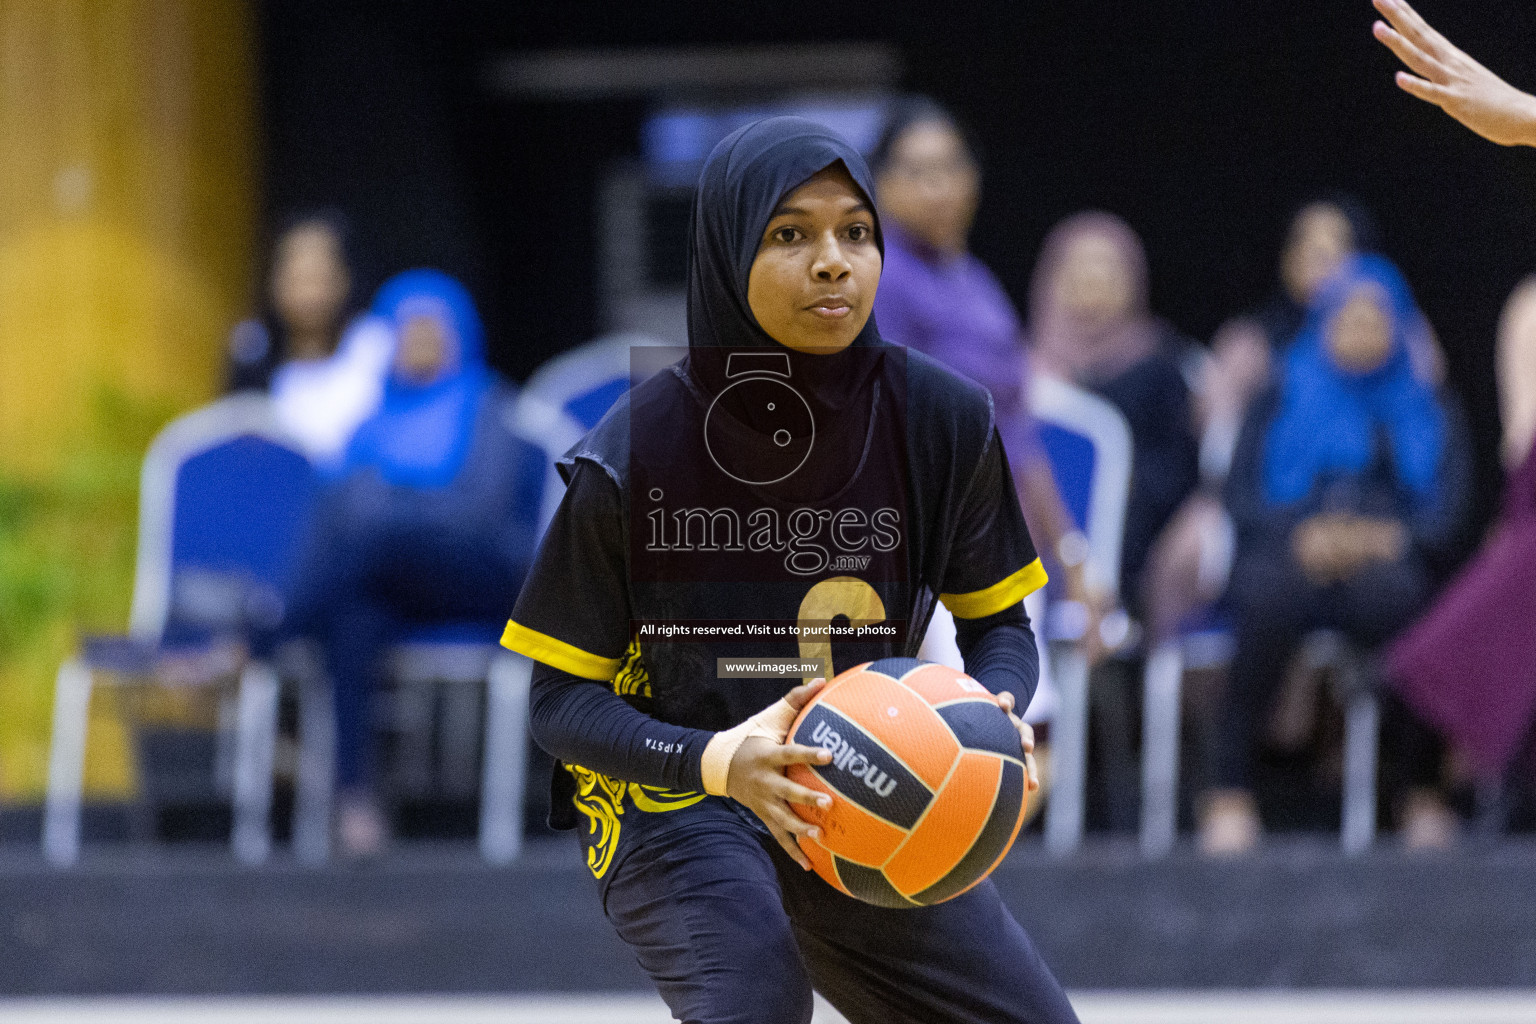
{"x":849,"y":760}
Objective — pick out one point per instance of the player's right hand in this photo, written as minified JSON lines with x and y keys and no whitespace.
{"x":756,"y":779}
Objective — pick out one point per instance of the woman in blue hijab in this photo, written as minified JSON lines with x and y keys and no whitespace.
{"x":422,"y":431}
{"x":1348,"y":491}
{"x":431,"y":522}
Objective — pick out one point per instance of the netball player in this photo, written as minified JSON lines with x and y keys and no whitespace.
{"x":1454,"y":82}
{"x":793,"y":470}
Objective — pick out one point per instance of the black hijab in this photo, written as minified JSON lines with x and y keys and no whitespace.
{"x":742,"y":183}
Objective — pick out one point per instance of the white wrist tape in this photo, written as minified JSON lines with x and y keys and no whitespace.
{"x":772,"y":723}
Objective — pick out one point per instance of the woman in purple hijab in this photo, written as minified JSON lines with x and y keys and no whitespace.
{"x":937,"y":297}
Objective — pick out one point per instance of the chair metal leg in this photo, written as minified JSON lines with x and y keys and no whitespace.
{"x":1161,"y":711}
{"x":1069,"y":753}
{"x":66,"y":763}
{"x":506,"y":758}
{"x":255,"y":741}
{"x":316,"y":778}
{"x":1361,"y":728}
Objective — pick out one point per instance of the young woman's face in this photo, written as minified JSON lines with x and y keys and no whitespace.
{"x":813,"y":283}
{"x":930,"y":185}
{"x":1321,"y":238}
{"x":1360,"y":336}
{"x":1094,"y":283}
{"x":309,"y":283}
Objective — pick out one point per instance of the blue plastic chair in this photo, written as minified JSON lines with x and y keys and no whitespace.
{"x":225,"y":503}
{"x":1088,"y":443}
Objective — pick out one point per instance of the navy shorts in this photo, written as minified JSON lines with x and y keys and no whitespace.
{"x":734,"y":932}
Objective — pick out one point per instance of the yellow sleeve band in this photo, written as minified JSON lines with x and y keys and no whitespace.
{"x":1005,"y":593}
{"x":558,"y":653}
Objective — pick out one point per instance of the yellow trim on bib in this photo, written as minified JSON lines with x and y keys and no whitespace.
{"x":1006,"y":592}
{"x":558,"y":653}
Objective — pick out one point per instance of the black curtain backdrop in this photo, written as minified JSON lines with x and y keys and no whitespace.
{"x":1203,"y":123}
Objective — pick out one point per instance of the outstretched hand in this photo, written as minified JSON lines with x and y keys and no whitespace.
{"x":1454,"y":82}
{"x":756,"y":779}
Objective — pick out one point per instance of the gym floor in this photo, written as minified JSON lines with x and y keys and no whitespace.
{"x":1095,"y":1008}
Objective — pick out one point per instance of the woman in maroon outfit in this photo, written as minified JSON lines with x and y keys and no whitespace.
{"x":1469,"y":667}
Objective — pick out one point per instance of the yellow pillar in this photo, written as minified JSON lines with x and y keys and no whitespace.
{"x":127,"y":200}
{"x":126,"y":205}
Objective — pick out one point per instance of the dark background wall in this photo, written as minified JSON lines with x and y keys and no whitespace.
{"x":1203,"y":123}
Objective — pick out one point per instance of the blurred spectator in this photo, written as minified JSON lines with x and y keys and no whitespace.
{"x":1090,"y":324}
{"x":1189,"y":562}
{"x":323,"y":366}
{"x":1348,"y":489}
{"x":433,"y":522}
{"x":1517,"y":373}
{"x":936,"y":297}
{"x":1469,"y":666}
{"x":1322,"y":235}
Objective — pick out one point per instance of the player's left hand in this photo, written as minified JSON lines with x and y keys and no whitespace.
{"x":1026,"y":738}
